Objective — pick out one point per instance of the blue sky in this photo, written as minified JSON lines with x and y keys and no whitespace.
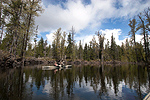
{"x":89,"y":16}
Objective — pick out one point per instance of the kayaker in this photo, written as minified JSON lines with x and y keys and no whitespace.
{"x":55,"y":64}
{"x":62,"y":63}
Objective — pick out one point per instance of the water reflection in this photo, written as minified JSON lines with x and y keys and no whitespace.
{"x":86,"y":82}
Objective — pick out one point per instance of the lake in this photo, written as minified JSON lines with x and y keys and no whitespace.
{"x":129,"y":82}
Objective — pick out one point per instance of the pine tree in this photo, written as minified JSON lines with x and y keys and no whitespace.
{"x":127,"y":50}
{"x":57,"y":41}
{"x":113,"y":48}
{"x":100,"y":45}
{"x":29,"y":50}
{"x":144,"y":32}
{"x":107,"y":51}
{"x":69,"y":47}
{"x":132,"y":32}
{"x":63,"y":46}
{"x":20,"y":17}
{"x":40,"y":47}
{"x":54,"y":50}
{"x":72,"y":32}
{"x":49,"y":51}
{"x":35,"y":41}
{"x":80,"y":51}
{"x":45,"y":44}
{"x":140,"y":52}
{"x":85,"y":52}
{"x":31,"y":11}
{"x":14,"y":9}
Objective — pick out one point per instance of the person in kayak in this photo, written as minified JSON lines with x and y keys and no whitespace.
{"x":55,"y":64}
{"x":62,"y":63}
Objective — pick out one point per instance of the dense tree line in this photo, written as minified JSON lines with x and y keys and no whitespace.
{"x":17,"y":24}
{"x":17,"y":27}
{"x":127,"y":52}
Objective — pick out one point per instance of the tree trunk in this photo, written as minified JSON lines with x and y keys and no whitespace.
{"x":144,"y":34}
{"x":35,"y":50}
{"x":27,"y":33}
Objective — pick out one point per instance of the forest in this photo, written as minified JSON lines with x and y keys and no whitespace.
{"x":18,"y":29}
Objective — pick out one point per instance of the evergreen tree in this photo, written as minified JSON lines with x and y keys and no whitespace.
{"x":29,"y":50}
{"x":35,"y":41}
{"x":31,"y":11}
{"x":40,"y":47}
{"x":54,"y":50}
{"x":127,"y":50}
{"x":85,"y":52}
{"x":95,"y":48}
{"x":45,"y":44}
{"x":80,"y":51}
{"x":140,"y":52}
{"x":100,"y":45}
{"x":122,"y":52}
{"x":113,"y":48}
{"x":69,"y":47}
{"x":91,"y":51}
{"x":72,"y":32}
{"x":132,"y":32}
{"x":63,"y":45}
{"x":107,"y":51}
{"x":76,"y":51}
{"x":142,"y":26}
{"x":19,"y":25}
{"x":57,"y":41}
{"x":49,"y":51}
{"x":14,"y":9}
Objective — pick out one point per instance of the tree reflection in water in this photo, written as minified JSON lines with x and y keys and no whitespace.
{"x":86,"y":82}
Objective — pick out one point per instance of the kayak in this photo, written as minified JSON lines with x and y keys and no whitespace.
{"x":55,"y":67}
{"x":68,"y":66}
{"x":49,"y":67}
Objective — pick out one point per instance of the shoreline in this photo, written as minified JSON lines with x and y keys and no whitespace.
{"x":9,"y":61}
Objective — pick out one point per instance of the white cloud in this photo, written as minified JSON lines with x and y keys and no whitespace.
{"x":75,"y":13}
{"x":107,"y":33}
{"x":139,"y":38}
{"x":90,"y":16}
{"x":54,"y":16}
{"x":50,"y":38}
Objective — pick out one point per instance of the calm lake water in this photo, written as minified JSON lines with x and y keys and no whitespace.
{"x":130,"y":82}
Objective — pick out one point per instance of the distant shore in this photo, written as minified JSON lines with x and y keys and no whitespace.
{"x":7,"y":60}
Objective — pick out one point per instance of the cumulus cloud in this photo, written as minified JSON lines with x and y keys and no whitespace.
{"x":54,"y":16}
{"x":50,"y":38}
{"x":87,"y":16}
{"x":76,"y":13}
{"x":107,"y":33}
